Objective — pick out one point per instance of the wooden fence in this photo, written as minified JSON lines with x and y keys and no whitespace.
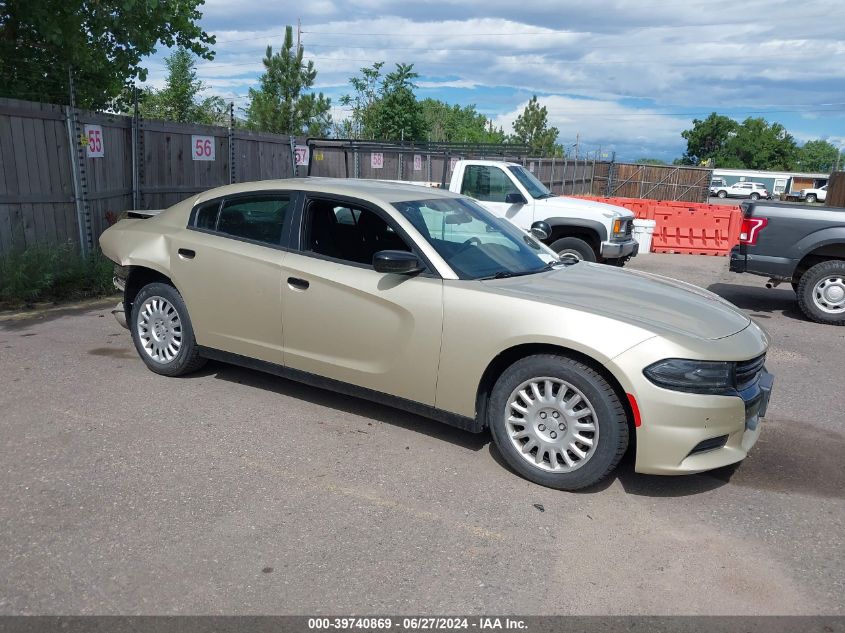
{"x":836,"y":190}
{"x":52,"y":191}
{"x":62,"y":182}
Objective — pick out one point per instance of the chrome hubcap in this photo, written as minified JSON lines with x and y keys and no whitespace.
{"x":829,"y":295}
{"x":552,"y":424}
{"x":160,"y":329}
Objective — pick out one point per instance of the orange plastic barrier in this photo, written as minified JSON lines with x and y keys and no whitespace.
{"x":685,"y":227}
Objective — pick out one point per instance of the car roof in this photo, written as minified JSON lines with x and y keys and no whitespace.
{"x":373,"y":190}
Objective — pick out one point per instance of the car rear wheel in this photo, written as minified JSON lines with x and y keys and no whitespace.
{"x":821,"y":292}
{"x":722,"y":194}
{"x":162,"y":332}
{"x":755,"y":196}
{"x":811,"y":197}
{"x":557,"y":422}
{"x":574,"y":246}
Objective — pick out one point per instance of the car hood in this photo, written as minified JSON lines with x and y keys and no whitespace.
{"x":584,"y":207}
{"x":655,"y":303}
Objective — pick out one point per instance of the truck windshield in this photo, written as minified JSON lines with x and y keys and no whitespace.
{"x":474,"y":242}
{"x":528,"y":180}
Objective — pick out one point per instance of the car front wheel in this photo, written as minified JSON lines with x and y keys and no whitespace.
{"x":557,"y":422}
{"x":162,"y":332}
{"x":722,"y":194}
{"x":811,"y":197}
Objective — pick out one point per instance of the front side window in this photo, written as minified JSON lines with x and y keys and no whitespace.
{"x":258,"y":218}
{"x":528,"y":180}
{"x":347,"y":233}
{"x":475,"y":243}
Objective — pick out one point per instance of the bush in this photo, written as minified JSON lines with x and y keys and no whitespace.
{"x":53,"y":273}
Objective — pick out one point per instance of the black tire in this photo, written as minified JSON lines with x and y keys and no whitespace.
{"x":806,"y":288}
{"x":576,"y":246}
{"x":610,"y":419}
{"x":811,"y":197}
{"x":187,"y":359}
{"x":755,"y":196}
{"x":722,"y":194}
{"x":617,"y":261}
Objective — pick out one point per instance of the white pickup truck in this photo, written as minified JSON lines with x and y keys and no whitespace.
{"x":591,"y":231}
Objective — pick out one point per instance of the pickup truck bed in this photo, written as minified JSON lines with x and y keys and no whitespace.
{"x":802,"y":245}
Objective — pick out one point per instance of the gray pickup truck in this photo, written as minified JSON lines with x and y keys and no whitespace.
{"x":799,"y":244}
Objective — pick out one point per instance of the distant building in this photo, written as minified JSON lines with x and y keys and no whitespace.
{"x":776,"y":181}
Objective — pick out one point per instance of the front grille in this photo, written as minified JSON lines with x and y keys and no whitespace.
{"x":629,"y":228}
{"x":747,"y":371}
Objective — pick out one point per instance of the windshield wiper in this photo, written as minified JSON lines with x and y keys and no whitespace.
{"x":504,"y":274}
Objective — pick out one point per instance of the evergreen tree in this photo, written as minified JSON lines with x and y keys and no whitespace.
{"x":281,"y":105}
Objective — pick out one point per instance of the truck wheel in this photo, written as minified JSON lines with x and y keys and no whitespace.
{"x":574,"y":246}
{"x":811,"y":197}
{"x":557,"y":422}
{"x":722,"y":194}
{"x":821,"y":292}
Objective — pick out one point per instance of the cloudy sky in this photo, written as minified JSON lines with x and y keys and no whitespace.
{"x":622,"y":75}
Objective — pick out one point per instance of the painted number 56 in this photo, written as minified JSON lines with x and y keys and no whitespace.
{"x":203,"y":147}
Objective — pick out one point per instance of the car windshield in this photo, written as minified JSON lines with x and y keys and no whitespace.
{"x":536,"y":188}
{"x":475,"y":243}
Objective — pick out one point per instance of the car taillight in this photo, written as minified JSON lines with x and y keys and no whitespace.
{"x":750,"y":230}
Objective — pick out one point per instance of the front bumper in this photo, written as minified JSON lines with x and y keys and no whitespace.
{"x":613,"y":250}
{"x":683,"y":433}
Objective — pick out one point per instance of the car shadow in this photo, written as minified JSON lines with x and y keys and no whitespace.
{"x":760,"y":301}
{"x":774,"y":464}
{"x":348,"y":404}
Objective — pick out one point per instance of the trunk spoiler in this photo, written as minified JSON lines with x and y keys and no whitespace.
{"x":143,"y":213}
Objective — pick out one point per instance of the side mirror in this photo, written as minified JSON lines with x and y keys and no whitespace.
{"x":541,"y":230}
{"x":397,"y":262}
{"x":514,"y":197}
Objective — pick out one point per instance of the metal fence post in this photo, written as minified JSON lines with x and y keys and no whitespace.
{"x":232,"y":176}
{"x":136,"y":176}
{"x":80,"y":183}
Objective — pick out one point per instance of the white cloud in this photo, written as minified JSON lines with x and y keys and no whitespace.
{"x":694,"y":56}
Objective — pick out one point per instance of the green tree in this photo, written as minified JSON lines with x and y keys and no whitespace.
{"x":103,"y":41}
{"x":398,"y":114}
{"x":758,"y":144}
{"x":179,"y":99}
{"x":281,"y":105}
{"x":650,"y":161}
{"x":363,"y":101}
{"x":707,"y":140}
{"x":532,"y":128}
{"x":455,"y":124}
{"x":818,"y":156}
{"x":385,"y":106}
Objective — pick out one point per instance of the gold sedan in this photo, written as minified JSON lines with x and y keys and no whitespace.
{"x":421,"y":299}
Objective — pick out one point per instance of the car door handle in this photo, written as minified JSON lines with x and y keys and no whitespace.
{"x":187,"y":253}
{"x":299,"y":284}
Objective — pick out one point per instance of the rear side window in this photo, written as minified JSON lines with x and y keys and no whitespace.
{"x":258,"y":218}
{"x":206,"y":216}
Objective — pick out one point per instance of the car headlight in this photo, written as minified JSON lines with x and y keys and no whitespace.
{"x":693,"y":376}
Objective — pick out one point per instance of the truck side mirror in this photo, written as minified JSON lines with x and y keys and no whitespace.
{"x":541,"y":230}
{"x":514,"y":197}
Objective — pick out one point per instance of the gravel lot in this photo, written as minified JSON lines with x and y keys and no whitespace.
{"x":231,"y":491}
